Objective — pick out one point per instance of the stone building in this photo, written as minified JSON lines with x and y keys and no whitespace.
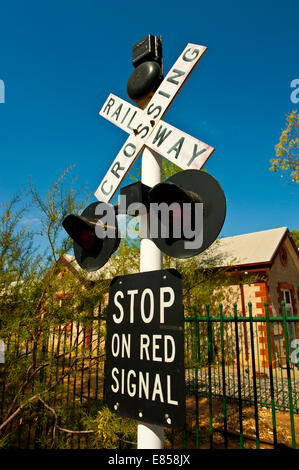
{"x":273,"y":258}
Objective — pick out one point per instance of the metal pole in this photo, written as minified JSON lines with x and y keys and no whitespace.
{"x":150,"y":436}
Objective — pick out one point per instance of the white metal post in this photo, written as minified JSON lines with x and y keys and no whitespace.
{"x":150,"y":436}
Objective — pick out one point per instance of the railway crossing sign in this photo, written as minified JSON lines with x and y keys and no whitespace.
{"x":145,"y":376}
{"x":145,"y":348}
{"x":146,"y":128}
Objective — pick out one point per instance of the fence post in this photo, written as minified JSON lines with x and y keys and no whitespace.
{"x":239,"y":376}
{"x":196,"y":350}
{"x":210,"y":375}
{"x":286,"y":340}
{"x":223,"y":376}
{"x":256,"y":413}
{"x":269,"y":338}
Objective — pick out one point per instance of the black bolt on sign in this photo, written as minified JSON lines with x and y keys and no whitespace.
{"x":145,"y":376}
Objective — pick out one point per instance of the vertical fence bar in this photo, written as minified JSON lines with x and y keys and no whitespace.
{"x":82,"y":378}
{"x":256,"y":413}
{"x":196,"y":377}
{"x":70,"y":351}
{"x":281,"y":374}
{"x":186,"y":337}
{"x":228,"y":341}
{"x":239,"y":376}
{"x":223,"y":377}
{"x":209,"y":326}
{"x":75,"y":377}
{"x":89,"y":374}
{"x":57,"y":361}
{"x":271,"y":375}
{"x":42,"y":379}
{"x":242,"y":338}
{"x":286,"y":339}
{"x":258,"y":359}
{"x":8,"y":352}
{"x":98,"y":328}
{"x":219,"y":369}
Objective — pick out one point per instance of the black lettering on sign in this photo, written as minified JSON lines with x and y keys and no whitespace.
{"x":195,"y":154}
{"x":108,"y":105}
{"x":128,"y":110}
{"x":128,"y":125}
{"x":103,"y":190}
{"x":190,"y":59}
{"x":178,"y":73}
{"x":160,"y":92}
{"x":151,"y":110}
{"x":117,"y":112}
{"x":145,"y":128}
{"x":161,"y":136}
{"x":177,"y":147}
{"x":129,"y":150}
{"x":116,"y":167}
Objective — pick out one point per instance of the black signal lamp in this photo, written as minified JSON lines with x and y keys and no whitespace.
{"x":92,"y":252}
{"x":189,"y":186}
{"x":135,"y":193}
{"x":147,"y":60}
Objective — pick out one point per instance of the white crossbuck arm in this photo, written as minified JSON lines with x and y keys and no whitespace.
{"x":145,"y":127}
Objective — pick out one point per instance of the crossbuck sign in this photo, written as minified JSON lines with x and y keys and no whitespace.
{"x":146,"y":128}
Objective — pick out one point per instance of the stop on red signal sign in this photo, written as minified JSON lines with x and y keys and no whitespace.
{"x":145,"y":377}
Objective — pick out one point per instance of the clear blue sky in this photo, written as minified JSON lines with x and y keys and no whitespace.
{"x":60,"y":60}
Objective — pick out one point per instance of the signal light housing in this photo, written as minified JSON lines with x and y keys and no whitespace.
{"x":147,"y":60}
{"x":92,"y":252}
{"x":190,"y":186}
{"x":149,"y":48}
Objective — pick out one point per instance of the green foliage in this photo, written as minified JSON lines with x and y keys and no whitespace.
{"x":295,"y":236}
{"x":58,"y":202}
{"x":112,"y":428}
{"x":41,"y":295}
{"x":168,"y":169}
{"x":287,"y":150}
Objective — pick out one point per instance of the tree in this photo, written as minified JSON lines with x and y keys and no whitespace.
{"x":33,"y":318}
{"x":287,"y":150}
{"x":295,"y":236}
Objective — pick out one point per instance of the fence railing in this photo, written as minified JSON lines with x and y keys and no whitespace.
{"x":242,"y":383}
{"x":62,"y":370}
{"x":248,"y":372}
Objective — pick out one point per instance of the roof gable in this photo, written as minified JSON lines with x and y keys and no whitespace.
{"x":250,"y":248}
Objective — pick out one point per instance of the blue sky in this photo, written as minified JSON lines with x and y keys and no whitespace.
{"x":60,"y":60}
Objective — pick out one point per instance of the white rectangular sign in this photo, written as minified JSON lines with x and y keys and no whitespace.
{"x":180,"y":148}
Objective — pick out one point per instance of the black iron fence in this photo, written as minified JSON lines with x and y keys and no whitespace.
{"x":53,"y":383}
{"x":247,"y":368}
{"x":242,"y":383}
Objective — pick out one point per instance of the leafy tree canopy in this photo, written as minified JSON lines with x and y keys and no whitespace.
{"x":295,"y":236}
{"x":287,"y":149}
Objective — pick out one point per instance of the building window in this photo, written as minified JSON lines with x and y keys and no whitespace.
{"x":283,"y":256}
